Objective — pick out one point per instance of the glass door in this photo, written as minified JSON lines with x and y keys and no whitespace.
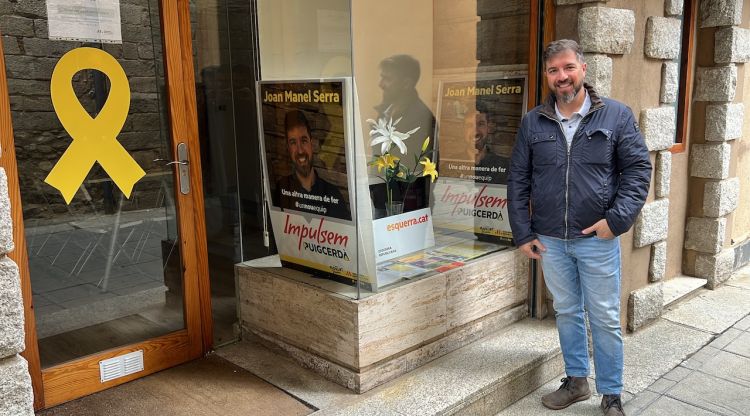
{"x":108,"y":167}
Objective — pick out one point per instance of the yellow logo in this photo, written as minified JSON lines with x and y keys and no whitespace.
{"x":94,"y":139}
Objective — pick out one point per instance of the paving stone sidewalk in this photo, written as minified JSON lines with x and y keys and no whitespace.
{"x":713,"y":381}
{"x":694,"y":360}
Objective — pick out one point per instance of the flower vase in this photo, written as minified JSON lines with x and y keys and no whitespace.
{"x":394,"y":208}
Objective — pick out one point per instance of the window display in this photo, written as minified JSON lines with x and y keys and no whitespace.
{"x":406,"y":175}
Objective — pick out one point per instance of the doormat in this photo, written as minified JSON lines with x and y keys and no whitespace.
{"x":208,"y":386}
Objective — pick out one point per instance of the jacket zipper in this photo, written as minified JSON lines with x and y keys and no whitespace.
{"x":567,"y":164}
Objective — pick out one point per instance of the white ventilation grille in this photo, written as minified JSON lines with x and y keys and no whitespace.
{"x":121,"y":366}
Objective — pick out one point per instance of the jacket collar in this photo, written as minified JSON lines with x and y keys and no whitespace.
{"x":548,"y":107}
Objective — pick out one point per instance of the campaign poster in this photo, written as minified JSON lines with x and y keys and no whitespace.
{"x":305,"y":138}
{"x":478,"y":122}
{"x":475,"y":208}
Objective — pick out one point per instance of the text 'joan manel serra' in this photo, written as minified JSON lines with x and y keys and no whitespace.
{"x":311,"y":96}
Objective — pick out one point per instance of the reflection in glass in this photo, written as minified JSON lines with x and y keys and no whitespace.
{"x":401,"y":56}
{"x":105,"y":269}
{"x":225,"y":62}
{"x":400,"y":102}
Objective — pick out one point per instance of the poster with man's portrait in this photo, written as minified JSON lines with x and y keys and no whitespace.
{"x":303,"y":129}
{"x":478,"y":122}
{"x":305,"y":140}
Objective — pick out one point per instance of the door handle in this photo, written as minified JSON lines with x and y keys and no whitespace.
{"x":183,"y":171}
{"x":172,"y":162}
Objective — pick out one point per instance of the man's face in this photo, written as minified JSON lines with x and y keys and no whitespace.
{"x":476,"y":130}
{"x":565,"y":75}
{"x":300,"y":148}
{"x":391,"y":85}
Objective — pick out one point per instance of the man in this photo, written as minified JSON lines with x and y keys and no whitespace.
{"x":399,"y":75}
{"x":581,"y":165}
{"x":304,"y":190}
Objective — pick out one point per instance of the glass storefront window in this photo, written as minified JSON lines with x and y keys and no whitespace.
{"x":105,"y":266}
{"x":418,"y":149}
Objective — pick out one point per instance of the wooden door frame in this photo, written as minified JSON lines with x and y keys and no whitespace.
{"x":74,"y":379}
{"x":541,"y":32}
{"x":19,"y":254}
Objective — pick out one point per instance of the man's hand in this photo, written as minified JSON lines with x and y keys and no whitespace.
{"x":602,"y":230}
{"x":532,"y":249}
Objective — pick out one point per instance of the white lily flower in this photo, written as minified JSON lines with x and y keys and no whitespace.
{"x":385,"y":134}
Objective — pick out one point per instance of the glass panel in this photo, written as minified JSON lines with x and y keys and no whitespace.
{"x":453,"y":72}
{"x":224,"y":59}
{"x":305,"y":99}
{"x":304,"y":39}
{"x":674,"y":71}
{"x":105,"y":269}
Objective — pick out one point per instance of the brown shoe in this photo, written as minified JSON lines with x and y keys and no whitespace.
{"x":573,"y":389}
{"x":612,"y":405}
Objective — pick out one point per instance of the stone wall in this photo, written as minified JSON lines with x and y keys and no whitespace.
{"x":718,"y":106}
{"x":739,"y":232}
{"x":614,"y":30}
{"x":16,"y":395}
{"x":40,"y":139}
{"x":662,"y":42}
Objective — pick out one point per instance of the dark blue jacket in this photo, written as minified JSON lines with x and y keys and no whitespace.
{"x":605,"y":174}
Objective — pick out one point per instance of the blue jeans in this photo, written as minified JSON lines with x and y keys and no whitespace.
{"x":585,"y":272}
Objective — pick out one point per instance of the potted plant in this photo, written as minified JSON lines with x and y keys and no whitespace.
{"x":384,"y":133}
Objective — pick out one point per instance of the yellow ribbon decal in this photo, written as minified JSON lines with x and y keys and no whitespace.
{"x":94,"y":139}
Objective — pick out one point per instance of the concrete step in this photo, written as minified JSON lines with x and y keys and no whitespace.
{"x":479,"y":379}
{"x":681,"y":288}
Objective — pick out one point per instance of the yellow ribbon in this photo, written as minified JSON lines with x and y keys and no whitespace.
{"x":94,"y":139}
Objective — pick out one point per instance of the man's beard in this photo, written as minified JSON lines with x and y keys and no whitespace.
{"x":303,"y":170}
{"x":568,"y":98}
{"x":480,"y":142}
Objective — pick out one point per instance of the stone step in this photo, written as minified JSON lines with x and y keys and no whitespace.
{"x":481,"y":378}
{"x":681,"y":288}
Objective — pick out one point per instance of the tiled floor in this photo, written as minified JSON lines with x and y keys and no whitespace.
{"x":713,"y":381}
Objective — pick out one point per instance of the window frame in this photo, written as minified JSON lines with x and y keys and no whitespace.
{"x":685,"y":88}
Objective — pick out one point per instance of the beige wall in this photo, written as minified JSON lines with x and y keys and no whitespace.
{"x":630,"y":72}
{"x":385,"y":28}
{"x":738,"y":222}
{"x":740,"y":229}
{"x":456,"y":36}
{"x":304,"y":39}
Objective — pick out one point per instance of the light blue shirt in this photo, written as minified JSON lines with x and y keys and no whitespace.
{"x":570,"y":125}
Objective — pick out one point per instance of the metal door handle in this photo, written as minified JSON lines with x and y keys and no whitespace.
{"x":173,"y":162}
{"x":183,"y":172}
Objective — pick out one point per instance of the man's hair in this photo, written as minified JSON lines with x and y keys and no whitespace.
{"x":402,"y":66}
{"x":481,"y":107}
{"x":559,"y":46}
{"x":296,"y":118}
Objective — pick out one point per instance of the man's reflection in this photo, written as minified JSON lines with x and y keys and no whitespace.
{"x":398,"y":80}
{"x":489,"y":166}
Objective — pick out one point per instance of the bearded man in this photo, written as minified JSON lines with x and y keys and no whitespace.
{"x":579,"y":176}
{"x":304,"y":190}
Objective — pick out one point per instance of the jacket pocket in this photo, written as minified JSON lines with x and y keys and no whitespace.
{"x":544,"y":149}
{"x":597,"y":148}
